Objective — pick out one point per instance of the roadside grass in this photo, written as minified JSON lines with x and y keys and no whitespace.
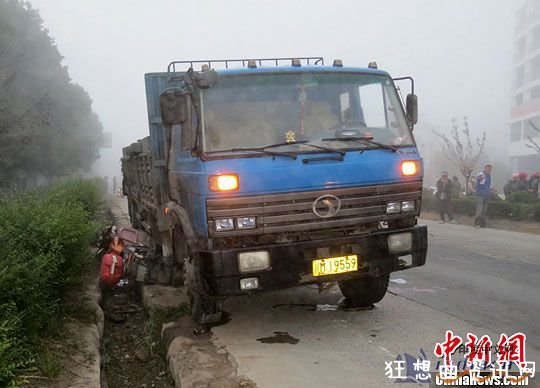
{"x":72,"y":306}
{"x":80,"y":313}
{"x":154,"y":324}
{"x":45,"y":238}
{"x":49,"y":364}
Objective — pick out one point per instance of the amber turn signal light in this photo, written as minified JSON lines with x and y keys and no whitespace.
{"x":228,"y":182}
{"x":409,"y":167}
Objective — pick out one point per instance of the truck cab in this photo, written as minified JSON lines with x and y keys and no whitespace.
{"x":272,"y":173}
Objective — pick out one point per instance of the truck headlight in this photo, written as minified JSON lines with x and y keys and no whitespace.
{"x":246,"y":223}
{"x":399,"y":242}
{"x":409,"y":167}
{"x":227,"y":182}
{"x":253,"y":261}
{"x":408,"y":206}
{"x":249,"y":284}
{"x":393,"y":207}
{"x":223,"y":224}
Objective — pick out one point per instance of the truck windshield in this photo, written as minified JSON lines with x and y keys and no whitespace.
{"x":319,"y":108}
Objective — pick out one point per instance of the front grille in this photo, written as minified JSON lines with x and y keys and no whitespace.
{"x":292,"y":212}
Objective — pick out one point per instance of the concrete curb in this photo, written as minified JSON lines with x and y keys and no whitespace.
{"x":92,"y":297}
{"x":88,"y":337}
{"x":193,"y":360}
{"x":162,"y":298}
{"x":198,"y":360}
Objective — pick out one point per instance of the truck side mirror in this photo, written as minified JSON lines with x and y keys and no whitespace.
{"x":206,"y":79}
{"x":411,"y":106}
{"x":173,"y":104}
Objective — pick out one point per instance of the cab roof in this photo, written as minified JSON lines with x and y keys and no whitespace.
{"x":299,"y":69}
{"x":232,"y":67}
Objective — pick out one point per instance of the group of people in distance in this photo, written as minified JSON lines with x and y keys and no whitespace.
{"x":480,"y":186}
{"x":448,"y":188}
{"x":520,"y":183}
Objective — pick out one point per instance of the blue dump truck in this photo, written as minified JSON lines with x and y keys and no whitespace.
{"x":263,"y":174}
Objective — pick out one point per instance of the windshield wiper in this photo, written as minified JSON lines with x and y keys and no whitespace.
{"x":263,"y":151}
{"x":285,"y":143}
{"x":304,"y":142}
{"x":365,"y":140}
{"x":328,"y":149}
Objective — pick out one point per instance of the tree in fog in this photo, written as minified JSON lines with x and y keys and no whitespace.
{"x":532,"y":143}
{"x":460,"y":149}
{"x":47,"y":126}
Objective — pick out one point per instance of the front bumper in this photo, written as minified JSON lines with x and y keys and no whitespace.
{"x":290,"y":264}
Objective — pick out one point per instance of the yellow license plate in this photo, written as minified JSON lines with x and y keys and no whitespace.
{"x":334,"y":265}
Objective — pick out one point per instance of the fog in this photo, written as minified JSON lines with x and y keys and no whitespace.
{"x":459,"y":52}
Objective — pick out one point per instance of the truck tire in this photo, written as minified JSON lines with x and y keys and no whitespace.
{"x":205,"y":309}
{"x":363,"y":292}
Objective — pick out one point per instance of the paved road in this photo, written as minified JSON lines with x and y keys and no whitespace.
{"x":480,"y":281}
{"x":489,"y":278}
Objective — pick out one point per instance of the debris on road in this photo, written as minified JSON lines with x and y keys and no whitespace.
{"x":398,"y":281}
{"x":279,"y":337}
{"x":326,"y":307}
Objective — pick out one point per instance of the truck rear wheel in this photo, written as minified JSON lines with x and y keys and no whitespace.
{"x":363,"y":292}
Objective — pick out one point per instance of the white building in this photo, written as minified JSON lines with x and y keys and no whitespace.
{"x":526,"y":89}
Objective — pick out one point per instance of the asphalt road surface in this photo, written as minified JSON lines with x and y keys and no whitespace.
{"x":480,"y":281}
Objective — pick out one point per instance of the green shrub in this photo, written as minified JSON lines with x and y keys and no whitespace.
{"x":15,"y":353}
{"x":87,"y":193}
{"x":44,"y":248}
{"x":464,"y":205}
{"x":523,"y":197}
{"x":426,"y":192}
{"x":515,"y":211}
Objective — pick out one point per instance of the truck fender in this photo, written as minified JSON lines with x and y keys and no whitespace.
{"x":183,"y":217}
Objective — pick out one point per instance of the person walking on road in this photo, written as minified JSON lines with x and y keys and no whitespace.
{"x":483,"y":191}
{"x":444,"y":195}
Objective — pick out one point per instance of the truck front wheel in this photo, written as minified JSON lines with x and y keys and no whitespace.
{"x":363,"y":292}
{"x":205,"y":309}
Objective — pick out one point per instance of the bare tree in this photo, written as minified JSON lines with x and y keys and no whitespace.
{"x":464,"y":153}
{"x":533,"y":144}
